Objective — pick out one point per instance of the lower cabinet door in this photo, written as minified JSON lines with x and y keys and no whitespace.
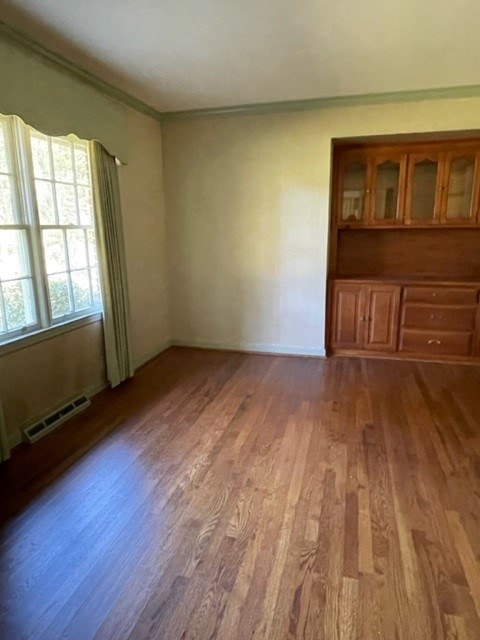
{"x":348,"y":315}
{"x":382,"y":317}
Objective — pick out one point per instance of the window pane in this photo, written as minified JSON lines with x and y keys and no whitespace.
{"x":62,"y":161}
{"x":41,"y":157}
{"x":46,"y":207}
{"x":81,"y":166}
{"x":54,"y":249}
{"x":81,"y":289}
{"x":3,"y":150}
{"x":63,"y":248}
{"x":19,"y":306}
{"x":92,"y":248}
{"x":3,"y":326}
{"x":7,"y":215}
{"x":77,"y":250}
{"x":66,"y":204}
{"x":97,"y":296}
{"x":85,"y":205}
{"x":59,"y":295}
{"x":14,"y":262}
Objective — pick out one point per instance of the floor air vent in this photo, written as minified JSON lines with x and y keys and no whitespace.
{"x":39,"y":429}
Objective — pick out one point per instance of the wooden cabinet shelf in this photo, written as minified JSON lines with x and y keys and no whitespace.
{"x":404,"y":266}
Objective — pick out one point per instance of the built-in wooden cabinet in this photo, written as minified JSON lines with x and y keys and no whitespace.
{"x":415,"y":185}
{"x":404,"y":266}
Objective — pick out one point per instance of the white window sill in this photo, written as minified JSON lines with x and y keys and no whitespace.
{"x":24,"y":341}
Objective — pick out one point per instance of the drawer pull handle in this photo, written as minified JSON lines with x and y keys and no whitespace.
{"x":434,"y":342}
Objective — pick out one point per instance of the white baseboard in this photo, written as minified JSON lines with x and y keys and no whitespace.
{"x":264,"y":348}
{"x":138,"y":362}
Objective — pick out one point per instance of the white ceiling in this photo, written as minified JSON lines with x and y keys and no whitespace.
{"x":188,"y":54}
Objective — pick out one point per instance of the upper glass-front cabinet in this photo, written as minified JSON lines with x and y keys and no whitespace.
{"x":354,"y":194}
{"x":460,"y":198}
{"x":423,"y":184}
{"x":388,"y":184}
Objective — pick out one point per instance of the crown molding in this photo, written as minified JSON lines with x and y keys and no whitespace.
{"x":314,"y":104}
{"x":81,"y":74}
{"x":309,"y":104}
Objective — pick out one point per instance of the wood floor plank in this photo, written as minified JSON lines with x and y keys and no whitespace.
{"x":470,"y":564}
{"x":234,"y":496}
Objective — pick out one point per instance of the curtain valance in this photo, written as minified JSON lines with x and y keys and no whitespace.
{"x":56,"y":102}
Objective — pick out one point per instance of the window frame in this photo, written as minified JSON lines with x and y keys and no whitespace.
{"x":27,"y":219}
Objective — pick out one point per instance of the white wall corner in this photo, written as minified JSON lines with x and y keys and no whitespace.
{"x":139,"y":362}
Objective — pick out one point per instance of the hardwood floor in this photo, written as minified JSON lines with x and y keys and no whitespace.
{"x":234,"y":496}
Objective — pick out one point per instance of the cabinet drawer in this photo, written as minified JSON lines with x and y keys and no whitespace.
{"x":441,"y":295}
{"x":435,"y":343}
{"x":445,"y":318}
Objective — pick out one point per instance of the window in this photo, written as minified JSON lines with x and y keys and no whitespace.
{"x":48,"y":260}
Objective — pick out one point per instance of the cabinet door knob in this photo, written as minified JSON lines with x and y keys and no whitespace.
{"x":434,"y":342}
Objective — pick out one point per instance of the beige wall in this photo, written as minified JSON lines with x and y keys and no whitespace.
{"x":247,"y":201}
{"x":141,"y":190}
{"x":37,"y":378}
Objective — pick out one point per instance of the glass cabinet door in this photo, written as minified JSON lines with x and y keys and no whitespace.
{"x":458,"y":189}
{"x":388,"y":190}
{"x":354,"y":193}
{"x":423,"y":191}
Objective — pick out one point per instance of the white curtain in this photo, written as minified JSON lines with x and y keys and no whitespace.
{"x":4,"y":448}
{"x":111,"y":250}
